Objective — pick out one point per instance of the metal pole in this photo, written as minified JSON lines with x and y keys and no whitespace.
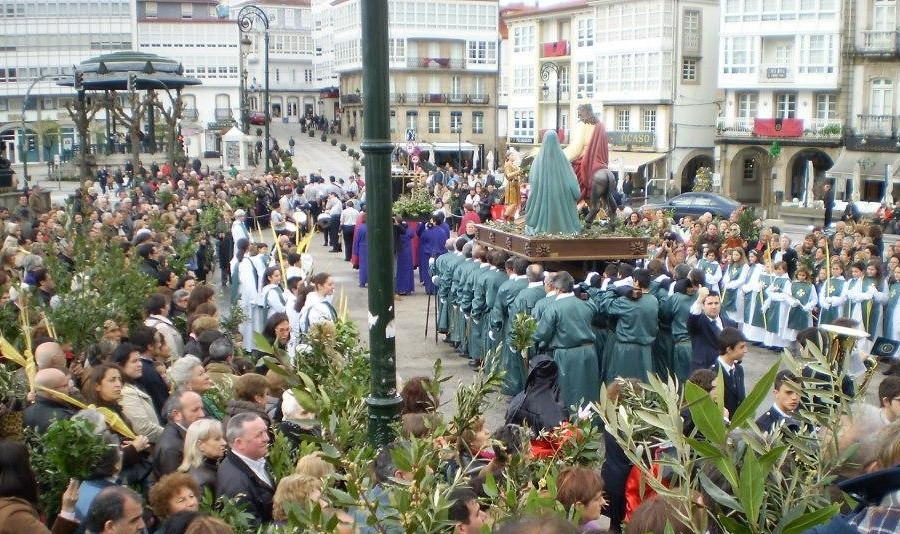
{"x":266,"y":95}
{"x":557,"y":103}
{"x":23,"y":144}
{"x":546,"y":69}
{"x":383,"y":402}
{"x":246,"y":17}
{"x":459,"y":147}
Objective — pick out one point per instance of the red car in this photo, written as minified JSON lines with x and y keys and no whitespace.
{"x":257,"y":118}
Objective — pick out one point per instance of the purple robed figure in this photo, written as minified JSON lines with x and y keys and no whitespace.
{"x":361,"y":251}
{"x":405,"y":279}
{"x":432,"y":243}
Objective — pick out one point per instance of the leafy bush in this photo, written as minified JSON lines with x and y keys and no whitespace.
{"x":107,"y":286}
{"x":324,"y":138}
{"x":415,"y":205}
{"x":343,"y":147}
{"x":333,"y":141}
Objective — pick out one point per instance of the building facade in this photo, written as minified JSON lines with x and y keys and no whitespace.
{"x":872,"y":118}
{"x":293,"y":90}
{"x":646,"y":67}
{"x":443,"y":75}
{"x":40,"y":42}
{"x":193,"y":33}
{"x":784,"y":96}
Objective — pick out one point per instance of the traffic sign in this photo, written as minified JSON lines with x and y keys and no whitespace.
{"x":410,"y":134}
{"x":415,"y":158}
{"x":410,"y":146}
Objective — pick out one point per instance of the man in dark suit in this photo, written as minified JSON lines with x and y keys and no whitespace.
{"x":787,"y":399}
{"x":828,"y":199}
{"x":704,"y":324}
{"x":732,"y":349}
{"x":148,"y":339}
{"x":786,"y":254}
{"x":243,"y":475}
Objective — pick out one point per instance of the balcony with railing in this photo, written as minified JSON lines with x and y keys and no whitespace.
{"x":223,"y":114}
{"x":555,"y":48}
{"x":878,"y":43}
{"x":877,"y":125}
{"x":457,"y":98}
{"x":190,"y":114}
{"x":435,"y":63}
{"x":752,"y":127}
{"x":351,"y":99}
{"x":479,"y":99}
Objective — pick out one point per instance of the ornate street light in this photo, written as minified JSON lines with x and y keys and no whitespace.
{"x":546,"y":69}
{"x":247,"y":18}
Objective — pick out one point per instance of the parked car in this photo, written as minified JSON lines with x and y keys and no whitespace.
{"x":696,"y":204}
{"x":257,"y":118}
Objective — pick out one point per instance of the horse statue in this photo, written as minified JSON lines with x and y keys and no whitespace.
{"x":603,"y":185}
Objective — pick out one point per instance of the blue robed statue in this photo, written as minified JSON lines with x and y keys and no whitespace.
{"x":552,"y":202}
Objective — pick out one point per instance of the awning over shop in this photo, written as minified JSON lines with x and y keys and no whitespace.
{"x":871,"y":164}
{"x":453,"y":147}
{"x":632,"y":161}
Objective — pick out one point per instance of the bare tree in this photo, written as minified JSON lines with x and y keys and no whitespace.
{"x":82,"y":117}
{"x":132,"y":120}
{"x":171,"y":116}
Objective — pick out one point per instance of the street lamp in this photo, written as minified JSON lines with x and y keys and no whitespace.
{"x":546,"y":69}
{"x":244,"y":98}
{"x":23,"y":144}
{"x":247,"y":18}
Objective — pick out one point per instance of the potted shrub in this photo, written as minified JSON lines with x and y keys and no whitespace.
{"x":333,"y":141}
{"x":311,"y":132}
{"x":417,"y":205}
{"x":343,"y":147}
{"x":324,"y":138}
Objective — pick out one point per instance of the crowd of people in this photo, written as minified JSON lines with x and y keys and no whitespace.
{"x":200,"y":408}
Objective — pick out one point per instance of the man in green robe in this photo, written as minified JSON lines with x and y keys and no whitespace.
{"x":442,"y":274}
{"x":458,"y":332}
{"x":678,"y":307}
{"x":565,"y":329}
{"x":833,"y":299}
{"x":501,"y":322}
{"x":662,"y":345}
{"x":497,"y":275}
{"x":638,"y":325}
{"x":466,"y":294}
{"x":478,"y":307}
{"x":524,"y":301}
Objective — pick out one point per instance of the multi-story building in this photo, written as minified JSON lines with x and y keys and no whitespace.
{"x":193,"y":33}
{"x":39,"y":43}
{"x":645,"y":66}
{"x":872,"y":116}
{"x":443,"y":73}
{"x":293,"y":90}
{"x":784,"y":96}
{"x":323,"y":60}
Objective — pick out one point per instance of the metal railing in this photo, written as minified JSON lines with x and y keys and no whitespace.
{"x":555,"y":48}
{"x":189,"y":114}
{"x":435,"y":63}
{"x":223,"y":114}
{"x":878,"y":125}
{"x":879,"y":41}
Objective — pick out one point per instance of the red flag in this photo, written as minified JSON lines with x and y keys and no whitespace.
{"x":778,"y":127}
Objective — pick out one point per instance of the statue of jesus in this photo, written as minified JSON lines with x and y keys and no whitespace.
{"x":589,"y":149}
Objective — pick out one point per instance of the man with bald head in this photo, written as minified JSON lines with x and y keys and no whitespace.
{"x":46,"y":409}
{"x":50,"y":355}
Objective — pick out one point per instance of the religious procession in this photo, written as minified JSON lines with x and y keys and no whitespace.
{"x":144,"y":392}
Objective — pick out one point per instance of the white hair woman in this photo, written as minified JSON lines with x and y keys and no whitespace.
{"x":188,"y":373}
{"x":204,"y":446}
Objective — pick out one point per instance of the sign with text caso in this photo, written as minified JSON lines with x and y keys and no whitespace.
{"x":617,"y":138}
